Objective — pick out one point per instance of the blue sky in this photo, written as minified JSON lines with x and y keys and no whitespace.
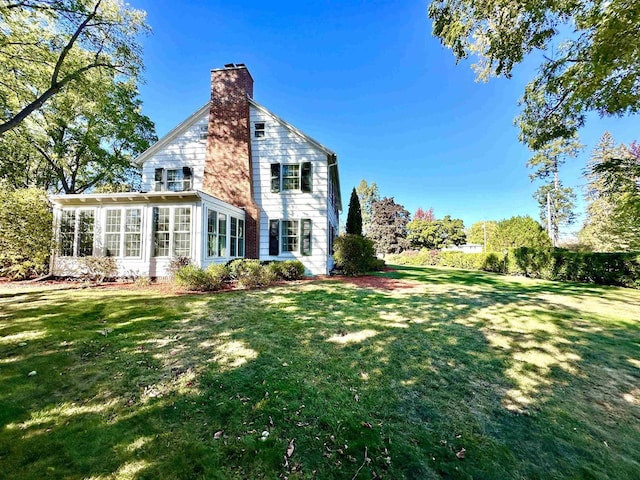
{"x":369,"y":81}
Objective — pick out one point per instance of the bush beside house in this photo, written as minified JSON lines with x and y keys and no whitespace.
{"x":355,"y":255}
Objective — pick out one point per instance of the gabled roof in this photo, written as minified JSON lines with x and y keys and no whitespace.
{"x":172,"y":135}
{"x":291,"y":128}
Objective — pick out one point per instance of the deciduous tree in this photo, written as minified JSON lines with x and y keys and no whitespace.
{"x":389,"y":226}
{"x":590,"y":60}
{"x":436,"y":234}
{"x":48,"y":45}
{"x":520,"y":232}
{"x":480,"y":231}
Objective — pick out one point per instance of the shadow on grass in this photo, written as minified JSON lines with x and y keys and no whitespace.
{"x":140,"y":386}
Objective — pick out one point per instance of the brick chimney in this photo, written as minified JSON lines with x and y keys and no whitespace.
{"x":228,"y":168}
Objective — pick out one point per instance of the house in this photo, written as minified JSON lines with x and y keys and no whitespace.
{"x":233,"y":180}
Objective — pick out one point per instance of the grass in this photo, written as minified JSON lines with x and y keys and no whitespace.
{"x":449,"y":374}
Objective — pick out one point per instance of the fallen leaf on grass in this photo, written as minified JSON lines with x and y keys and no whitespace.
{"x":460,"y":454}
{"x":218,"y":434}
{"x":32,"y":373}
{"x":366,"y":424}
{"x":291,"y":448}
{"x":356,"y":397}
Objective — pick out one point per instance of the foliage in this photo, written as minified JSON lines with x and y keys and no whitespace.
{"x":26,"y":234}
{"x":490,"y":262}
{"x":520,"y":232}
{"x":251,"y":274}
{"x":368,"y":195}
{"x":178,"y":263}
{"x":191,"y":277}
{"x":48,"y":48}
{"x":615,"y":203}
{"x":422,"y":215}
{"x":84,"y":139}
{"x":287,"y":270}
{"x":354,"y":216}
{"x":355,"y":255}
{"x":388,"y":228}
{"x":98,"y":269}
{"x":590,"y":62}
{"x":436,"y":234}
{"x":218,"y":275}
{"x":142,"y":281}
{"x":481,"y":230}
{"x":557,"y":203}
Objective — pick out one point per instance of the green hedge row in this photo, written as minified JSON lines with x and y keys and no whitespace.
{"x":621,"y":269}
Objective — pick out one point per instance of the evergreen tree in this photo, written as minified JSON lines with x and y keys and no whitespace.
{"x":556,"y":201}
{"x":368,"y":195}
{"x":354,"y":216}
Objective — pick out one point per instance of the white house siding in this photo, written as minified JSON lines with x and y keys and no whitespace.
{"x":188,"y":149}
{"x":282,"y":145}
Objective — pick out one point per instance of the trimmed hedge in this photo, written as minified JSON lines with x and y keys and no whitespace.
{"x":355,"y":255}
{"x":620,"y":269}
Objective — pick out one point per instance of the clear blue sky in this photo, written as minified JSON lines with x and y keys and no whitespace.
{"x":369,"y":81}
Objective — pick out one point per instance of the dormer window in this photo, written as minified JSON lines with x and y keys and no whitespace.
{"x":258,"y":129}
{"x":173,"y":179}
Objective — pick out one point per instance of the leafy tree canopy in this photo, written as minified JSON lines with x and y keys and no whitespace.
{"x":436,"y":234}
{"x":481,"y":230}
{"x":388,"y":228}
{"x":354,"y":216}
{"x":594,"y":65}
{"x":49,"y":45}
{"x":520,"y":232}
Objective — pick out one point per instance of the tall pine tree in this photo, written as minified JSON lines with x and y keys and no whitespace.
{"x":354,"y":216}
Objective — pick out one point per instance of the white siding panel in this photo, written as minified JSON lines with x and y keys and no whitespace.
{"x":188,"y":150}
{"x":281,"y":145}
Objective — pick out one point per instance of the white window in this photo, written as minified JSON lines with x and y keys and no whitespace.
{"x":171,"y":231}
{"x":259,"y":129}
{"x":212,"y":233}
{"x":291,"y":177}
{"x":222,"y":235}
{"x":289,"y":236}
{"x":76,"y":233}
{"x":237,"y":237}
{"x":123,"y":232}
{"x":172,"y":179}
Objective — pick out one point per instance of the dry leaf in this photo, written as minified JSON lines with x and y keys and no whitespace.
{"x":366,"y":424}
{"x":218,"y":434}
{"x":270,"y":421}
{"x":290,"y":448}
{"x":356,"y":397}
{"x":460,"y":454}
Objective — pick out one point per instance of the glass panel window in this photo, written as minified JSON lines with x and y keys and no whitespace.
{"x":212,"y":230}
{"x":290,"y":177}
{"x":112,"y":233}
{"x":233,"y":247}
{"x":289,"y":235}
{"x":259,"y":129}
{"x":85,"y":233}
{"x":67,"y":232}
{"x":174,"y":180}
{"x":182,"y":232}
{"x":222,"y":235}
{"x":132,"y":232}
{"x":161,"y":231}
{"x":241,"y":238}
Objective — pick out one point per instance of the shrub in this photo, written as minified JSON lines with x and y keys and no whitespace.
{"x":354,"y":254}
{"x":26,"y":233}
{"x":177,"y":263}
{"x":142,"y":281}
{"x":218,"y":275}
{"x":292,"y":269}
{"x":98,"y":269}
{"x":250,"y":274}
{"x":193,"y":278}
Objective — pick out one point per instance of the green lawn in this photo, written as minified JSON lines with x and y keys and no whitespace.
{"x":434,"y":374}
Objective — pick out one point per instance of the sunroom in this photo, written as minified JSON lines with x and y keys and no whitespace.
{"x":144,"y":232}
